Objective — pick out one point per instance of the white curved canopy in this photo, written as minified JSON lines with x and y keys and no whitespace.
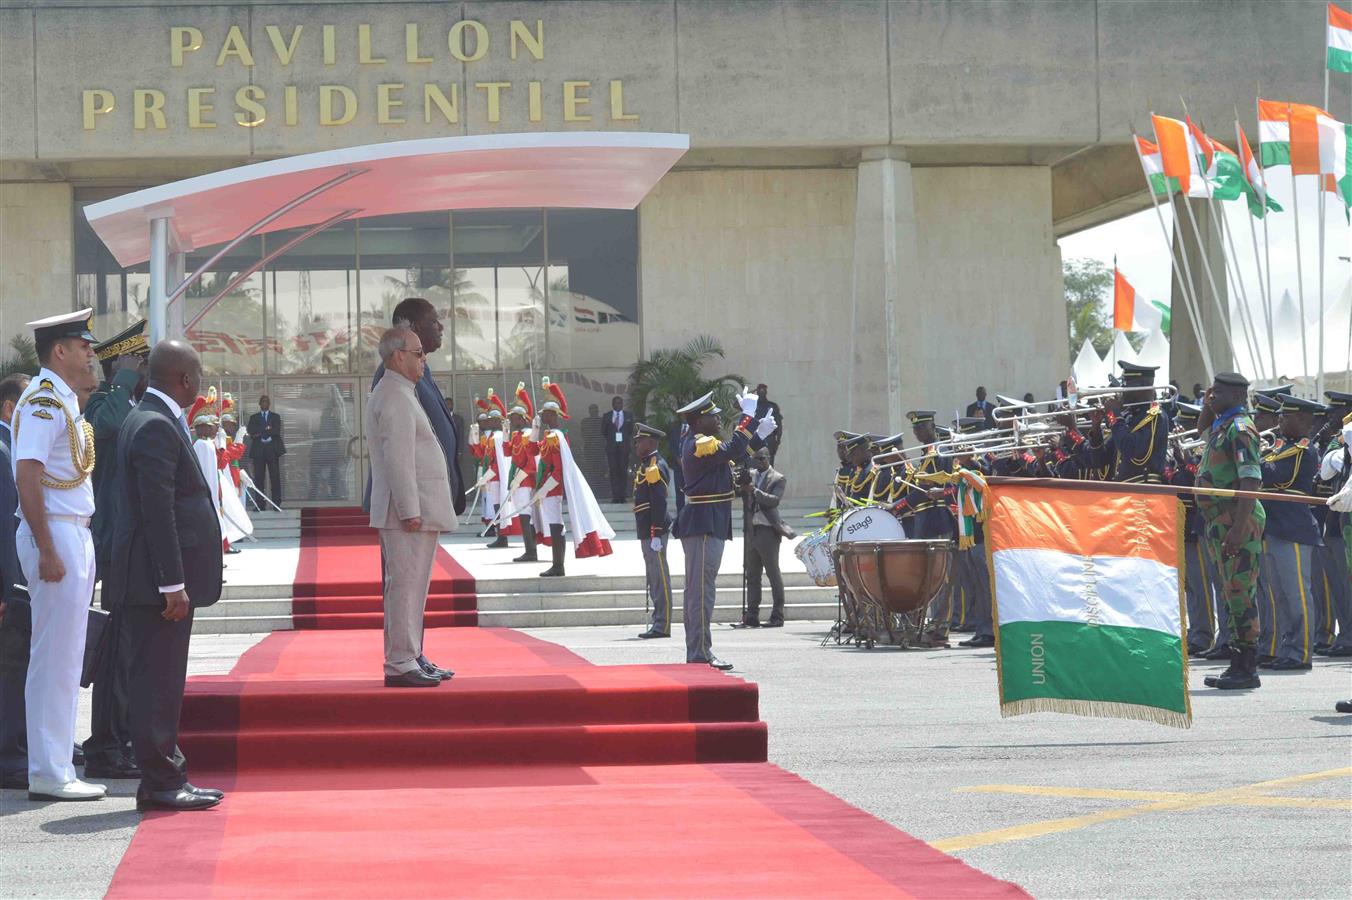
{"x":598,"y":170}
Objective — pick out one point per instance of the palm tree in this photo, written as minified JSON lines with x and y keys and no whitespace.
{"x":669,"y":379}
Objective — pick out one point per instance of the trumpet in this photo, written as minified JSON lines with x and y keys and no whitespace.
{"x":1188,"y":445}
{"x":905,"y":454}
{"x":1087,"y":402}
{"x":1014,"y":440}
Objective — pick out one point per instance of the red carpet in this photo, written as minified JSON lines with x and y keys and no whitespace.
{"x":338,"y":577}
{"x":338,"y":788}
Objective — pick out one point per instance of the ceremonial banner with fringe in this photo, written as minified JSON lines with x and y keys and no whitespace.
{"x":1088,"y":602}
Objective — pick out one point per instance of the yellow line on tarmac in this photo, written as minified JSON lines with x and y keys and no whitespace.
{"x":1168,"y":803}
{"x":1035,"y":790}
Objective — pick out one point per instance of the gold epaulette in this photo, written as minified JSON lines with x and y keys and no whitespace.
{"x":653,"y":475}
{"x":706,"y":445}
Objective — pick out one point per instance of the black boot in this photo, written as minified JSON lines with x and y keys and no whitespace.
{"x":558,"y":547}
{"x":501,"y":538}
{"x":1230,"y":672}
{"x":1245,"y":674}
{"x":527,"y":538}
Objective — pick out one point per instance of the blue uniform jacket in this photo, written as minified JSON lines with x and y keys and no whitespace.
{"x":707,"y":464}
{"x":652,"y":517}
{"x":1137,"y":449}
{"x":1291,"y":469}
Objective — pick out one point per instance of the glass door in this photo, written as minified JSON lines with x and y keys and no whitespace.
{"x":325,"y":462}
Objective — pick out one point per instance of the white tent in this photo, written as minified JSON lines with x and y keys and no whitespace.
{"x":1155,"y":352}
{"x":1089,"y":368}
{"x":1121,"y":352}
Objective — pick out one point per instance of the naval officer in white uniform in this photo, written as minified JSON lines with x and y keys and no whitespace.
{"x":53,"y":458}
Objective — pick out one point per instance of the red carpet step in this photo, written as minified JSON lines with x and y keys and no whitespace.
{"x":338,"y":578}
{"x":489,"y":786}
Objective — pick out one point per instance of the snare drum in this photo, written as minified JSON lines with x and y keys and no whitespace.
{"x":867,"y":523}
{"x":814,"y":551}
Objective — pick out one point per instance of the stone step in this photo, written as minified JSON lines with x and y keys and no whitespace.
{"x":495,"y":603}
{"x":244,"y":608}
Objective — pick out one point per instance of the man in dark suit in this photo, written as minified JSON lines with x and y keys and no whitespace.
{"x":982,"y":408}
{"x":267,"y":446}
{"x":165,"y":563}
{"x":617,"y":428}
{"x":15,"y":618}
{"x":765,"y":490}
{"x":420,"y":315}
{"x":458,"y":426}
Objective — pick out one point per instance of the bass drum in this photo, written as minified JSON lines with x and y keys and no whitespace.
{"x":867,"y":523}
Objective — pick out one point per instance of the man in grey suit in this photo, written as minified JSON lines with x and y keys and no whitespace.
{"x":410,"y":505}
{"x":768,"y":529}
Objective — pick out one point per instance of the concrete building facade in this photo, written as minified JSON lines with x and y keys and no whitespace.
{"x":867,"y":217}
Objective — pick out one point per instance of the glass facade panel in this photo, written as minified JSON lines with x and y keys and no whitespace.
{"x":593,"y":288}
{"x":312,"y":303}
{"x":403,"y":256}
{"x":230,"y":334}
{"x":499,"y":288}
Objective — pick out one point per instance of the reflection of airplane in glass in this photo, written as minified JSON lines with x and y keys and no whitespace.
{"x":584,"y":331}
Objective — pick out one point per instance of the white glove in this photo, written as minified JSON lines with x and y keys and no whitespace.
{"x":474,"y":433}
{"x":656,"y":544}
{"x":1342,"y":501}
{"x":747,"y":401}
{"x":767,"y":426}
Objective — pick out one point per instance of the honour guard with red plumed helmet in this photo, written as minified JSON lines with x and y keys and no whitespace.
{"x":498,"y":462}
{"x":523,"y":450}
{"x":558,"y":478}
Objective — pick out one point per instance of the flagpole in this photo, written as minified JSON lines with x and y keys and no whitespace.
{"x":1319,"y":185}
{"x":1232,"y":271}
{"x":1185,"y":285}
{"x":1267,"y":244}
{"x":1300,"y":275}
{"x":1264,"y":287}
{"x":1206,"y":258}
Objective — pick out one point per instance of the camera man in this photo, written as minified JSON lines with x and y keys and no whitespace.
{"x":762,"y":487}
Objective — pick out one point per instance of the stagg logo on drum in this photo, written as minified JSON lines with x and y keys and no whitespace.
{"x":862,"y":524}
{"x":1038,"y":654}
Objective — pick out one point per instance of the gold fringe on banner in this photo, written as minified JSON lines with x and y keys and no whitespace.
{"x":1098,"y":709}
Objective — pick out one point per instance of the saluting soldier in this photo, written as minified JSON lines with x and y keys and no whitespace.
{"x":1182,"y":471}
{"x":652,"y":522}
{"x":123,"y":358}
{"x":704,"y":524}
{"x":1291,"y":533}
{"x":1233,"y":525}
{"x":1135,"y":450}
{"x":53,"y":459}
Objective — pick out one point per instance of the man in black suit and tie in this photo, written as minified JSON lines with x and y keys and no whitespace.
{"x":982,"y":408}
{"x":266,"y":448}
{"x":617,"y":428}
{"x":165,"y":562}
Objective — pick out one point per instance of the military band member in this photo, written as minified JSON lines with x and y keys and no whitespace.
{"x":889,"y":481}
{"x":1182,"y":471}
{"x":652,"y":523}
{"x":53,"y":458}
{"x":972,"y":581}
{"x":705,"y":522}
{"x":123,"y":359}
{"x":1334,"y":473}
{"x":1330,"y":579}
{"x":1135,"y":450}
{"x":523,"y":451}
{"x":1233,"y":525}
{"x":858,"y":486}
{"x":842,"y":470}
{"x":929,"y":518}
{"x":1291,"y":533}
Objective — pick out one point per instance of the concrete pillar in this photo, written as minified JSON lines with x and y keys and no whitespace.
{"x":883,"y":289}
{"x":35,"y":255}
{"x":1185,"y":356}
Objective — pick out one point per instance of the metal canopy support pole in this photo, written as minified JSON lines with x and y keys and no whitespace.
{"x":158,"y":300}
{"x":260,"y":225}
{"x":173,"y":274}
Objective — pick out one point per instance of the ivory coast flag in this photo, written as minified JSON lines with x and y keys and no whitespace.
{"x":1340,"y":40}
{"x":1088,"y":602}
{"x":1181,"y":155}
{"x":1161,"y":185}
{"x":1259,"y":201}
{"x":1131,"y":311}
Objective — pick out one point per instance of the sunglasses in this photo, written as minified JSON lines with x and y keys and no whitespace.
{"x":418,"y":352}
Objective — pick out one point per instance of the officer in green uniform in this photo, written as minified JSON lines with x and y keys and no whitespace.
{"x":123,"y":358}
{"x":1233,"y":525}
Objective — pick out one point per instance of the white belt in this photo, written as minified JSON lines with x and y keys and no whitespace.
{"x":82,"y":521}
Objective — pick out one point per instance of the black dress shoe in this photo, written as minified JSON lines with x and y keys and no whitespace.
{"x":1196,"y":650}
{"x":205,"y":792}
{"x":413,"y":678}
{"x":650,"y":634}
{"x":1288,"y":665}
{"x":720,"y":664}
{"x":116,"y":768}
{"x":1343,"y":706}
{"x":180,"y":800}
{"x":1321,"y":649}
{"x":751,"y":623}
{"x":978,"y":642}
{"x":1339,"y":651}
{"x":14,"y":781}
{"x":434,"y":670}
{"x":774,"y":623}
{"x":498,"y":544}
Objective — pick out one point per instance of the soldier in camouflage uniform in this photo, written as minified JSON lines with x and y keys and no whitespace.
{"x":1233,"y":526}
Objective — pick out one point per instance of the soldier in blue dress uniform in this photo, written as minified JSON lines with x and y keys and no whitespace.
{"x":652,"y":522}
{"x":928,"y":517}
{"x":1135,"y":451}
{"x":704,"y":524}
